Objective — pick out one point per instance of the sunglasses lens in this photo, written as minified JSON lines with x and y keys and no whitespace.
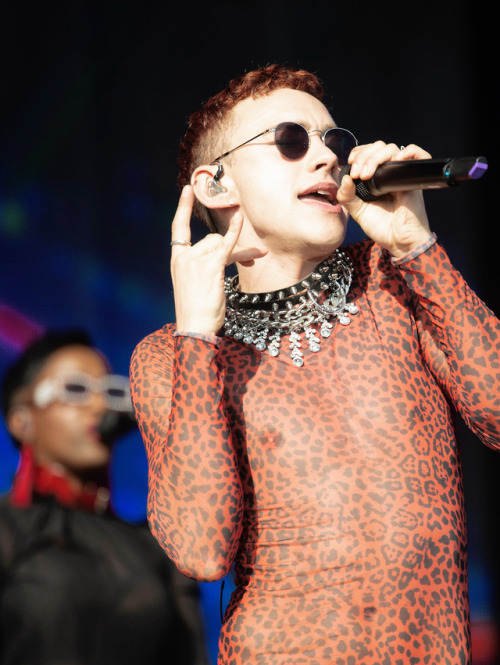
{"x":117,"y":392}
{"x":341,"y":142}
{"x":292,"y":140}
{"x":74,"y":392}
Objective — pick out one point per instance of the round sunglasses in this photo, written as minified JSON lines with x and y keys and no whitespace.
{"x":293,"y":141}
{"x":76,"y":389}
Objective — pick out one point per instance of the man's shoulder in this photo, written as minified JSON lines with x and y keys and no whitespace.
{"x":159,"y":339}
{"x":363,"y":250}
{"x":364,"y":254}
{"x":153,"y":351}
{"x":161,"y":336}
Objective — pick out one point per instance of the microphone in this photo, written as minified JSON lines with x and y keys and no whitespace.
{"x":115,"y":424}
{"x":417,"y":174}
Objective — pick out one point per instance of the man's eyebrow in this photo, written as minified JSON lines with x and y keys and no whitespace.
{"x":323,"y":128}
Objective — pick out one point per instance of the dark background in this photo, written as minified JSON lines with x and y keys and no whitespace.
{"x":95,"y":96}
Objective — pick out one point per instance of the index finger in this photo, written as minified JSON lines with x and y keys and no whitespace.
{"x":232,"y":234}
{"x":181,"y":228}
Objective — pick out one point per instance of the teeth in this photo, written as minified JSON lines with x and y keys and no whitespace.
{"x":323,"y":192}
{"x":328,"y":194}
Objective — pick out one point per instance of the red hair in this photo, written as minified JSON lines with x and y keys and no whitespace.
{"x":205,"y":133}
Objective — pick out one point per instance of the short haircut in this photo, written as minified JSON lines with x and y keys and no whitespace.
{"x":207,"y":128}
{"x":24,"y":370}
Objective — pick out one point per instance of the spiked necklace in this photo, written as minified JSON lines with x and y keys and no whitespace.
{"x":262,"y":319}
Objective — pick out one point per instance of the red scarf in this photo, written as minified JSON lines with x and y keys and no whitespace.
{"x":30,"y":479}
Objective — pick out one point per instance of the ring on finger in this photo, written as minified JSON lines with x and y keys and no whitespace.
{"x":179,"y":242}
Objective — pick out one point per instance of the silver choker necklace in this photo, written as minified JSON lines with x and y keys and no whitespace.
{"x":262,"y":319}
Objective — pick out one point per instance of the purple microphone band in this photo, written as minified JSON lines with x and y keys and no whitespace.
{"x":477,"y":170}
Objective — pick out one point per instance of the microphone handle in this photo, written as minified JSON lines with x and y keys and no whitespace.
{"x":417,"y":174}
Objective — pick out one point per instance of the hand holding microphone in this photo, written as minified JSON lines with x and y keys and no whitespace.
{"x":417,"y":174}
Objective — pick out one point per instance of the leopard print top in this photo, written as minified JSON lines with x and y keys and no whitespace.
{"x":334,"y":488}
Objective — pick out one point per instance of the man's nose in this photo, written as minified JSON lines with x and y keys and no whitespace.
{"x":321,"y":154}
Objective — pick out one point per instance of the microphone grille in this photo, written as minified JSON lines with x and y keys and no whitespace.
{"x":361,"y":189}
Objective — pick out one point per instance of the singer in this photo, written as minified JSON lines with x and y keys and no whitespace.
{"x":77,"y":584}
{"x":297,"y":416}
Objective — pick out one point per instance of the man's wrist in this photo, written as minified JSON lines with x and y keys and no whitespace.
{"x":211,"y":338}
{"x":416,"y":251}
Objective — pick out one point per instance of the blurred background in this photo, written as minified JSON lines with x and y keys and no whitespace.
{"x":95,"y":97}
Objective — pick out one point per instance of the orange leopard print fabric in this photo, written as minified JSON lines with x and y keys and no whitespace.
{"x":334,"y":488}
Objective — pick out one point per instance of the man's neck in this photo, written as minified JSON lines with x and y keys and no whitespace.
{"x":274,"y":273}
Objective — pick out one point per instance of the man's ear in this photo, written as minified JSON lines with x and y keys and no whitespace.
{"x":20,"y":424}
{"x":211,"y":191}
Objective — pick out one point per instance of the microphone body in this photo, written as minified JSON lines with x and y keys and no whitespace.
{"x":417,"y":174}
{"x":115,"y":424}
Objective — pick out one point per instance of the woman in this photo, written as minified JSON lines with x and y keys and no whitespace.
{"x":78,"y":585}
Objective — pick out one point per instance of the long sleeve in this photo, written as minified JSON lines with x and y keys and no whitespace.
{"x":460,"y":339}
{"x":195,"y":499}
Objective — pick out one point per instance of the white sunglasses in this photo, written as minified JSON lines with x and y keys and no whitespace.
{"x":77,"y":388}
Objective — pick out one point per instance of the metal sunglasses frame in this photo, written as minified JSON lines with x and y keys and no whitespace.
{"x":220,"y":169}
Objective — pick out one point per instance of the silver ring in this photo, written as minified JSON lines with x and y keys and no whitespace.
{"x":402,"y":147}
{"x":180,"y":242}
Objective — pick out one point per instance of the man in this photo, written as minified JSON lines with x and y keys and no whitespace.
{"x":78,"y":585}
{"x":297,"y":417}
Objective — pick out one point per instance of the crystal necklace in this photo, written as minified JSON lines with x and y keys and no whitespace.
{"x":263,"y":319}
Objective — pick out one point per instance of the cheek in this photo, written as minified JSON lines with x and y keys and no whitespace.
{"x":58,"y":428}
{"x":61,"y":419}
{"x":54,"y":430}
{"x":265,"y":193}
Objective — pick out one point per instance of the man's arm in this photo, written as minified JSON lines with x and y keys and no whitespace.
{"x":195,"y":501}
{"x":460,"y":338}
